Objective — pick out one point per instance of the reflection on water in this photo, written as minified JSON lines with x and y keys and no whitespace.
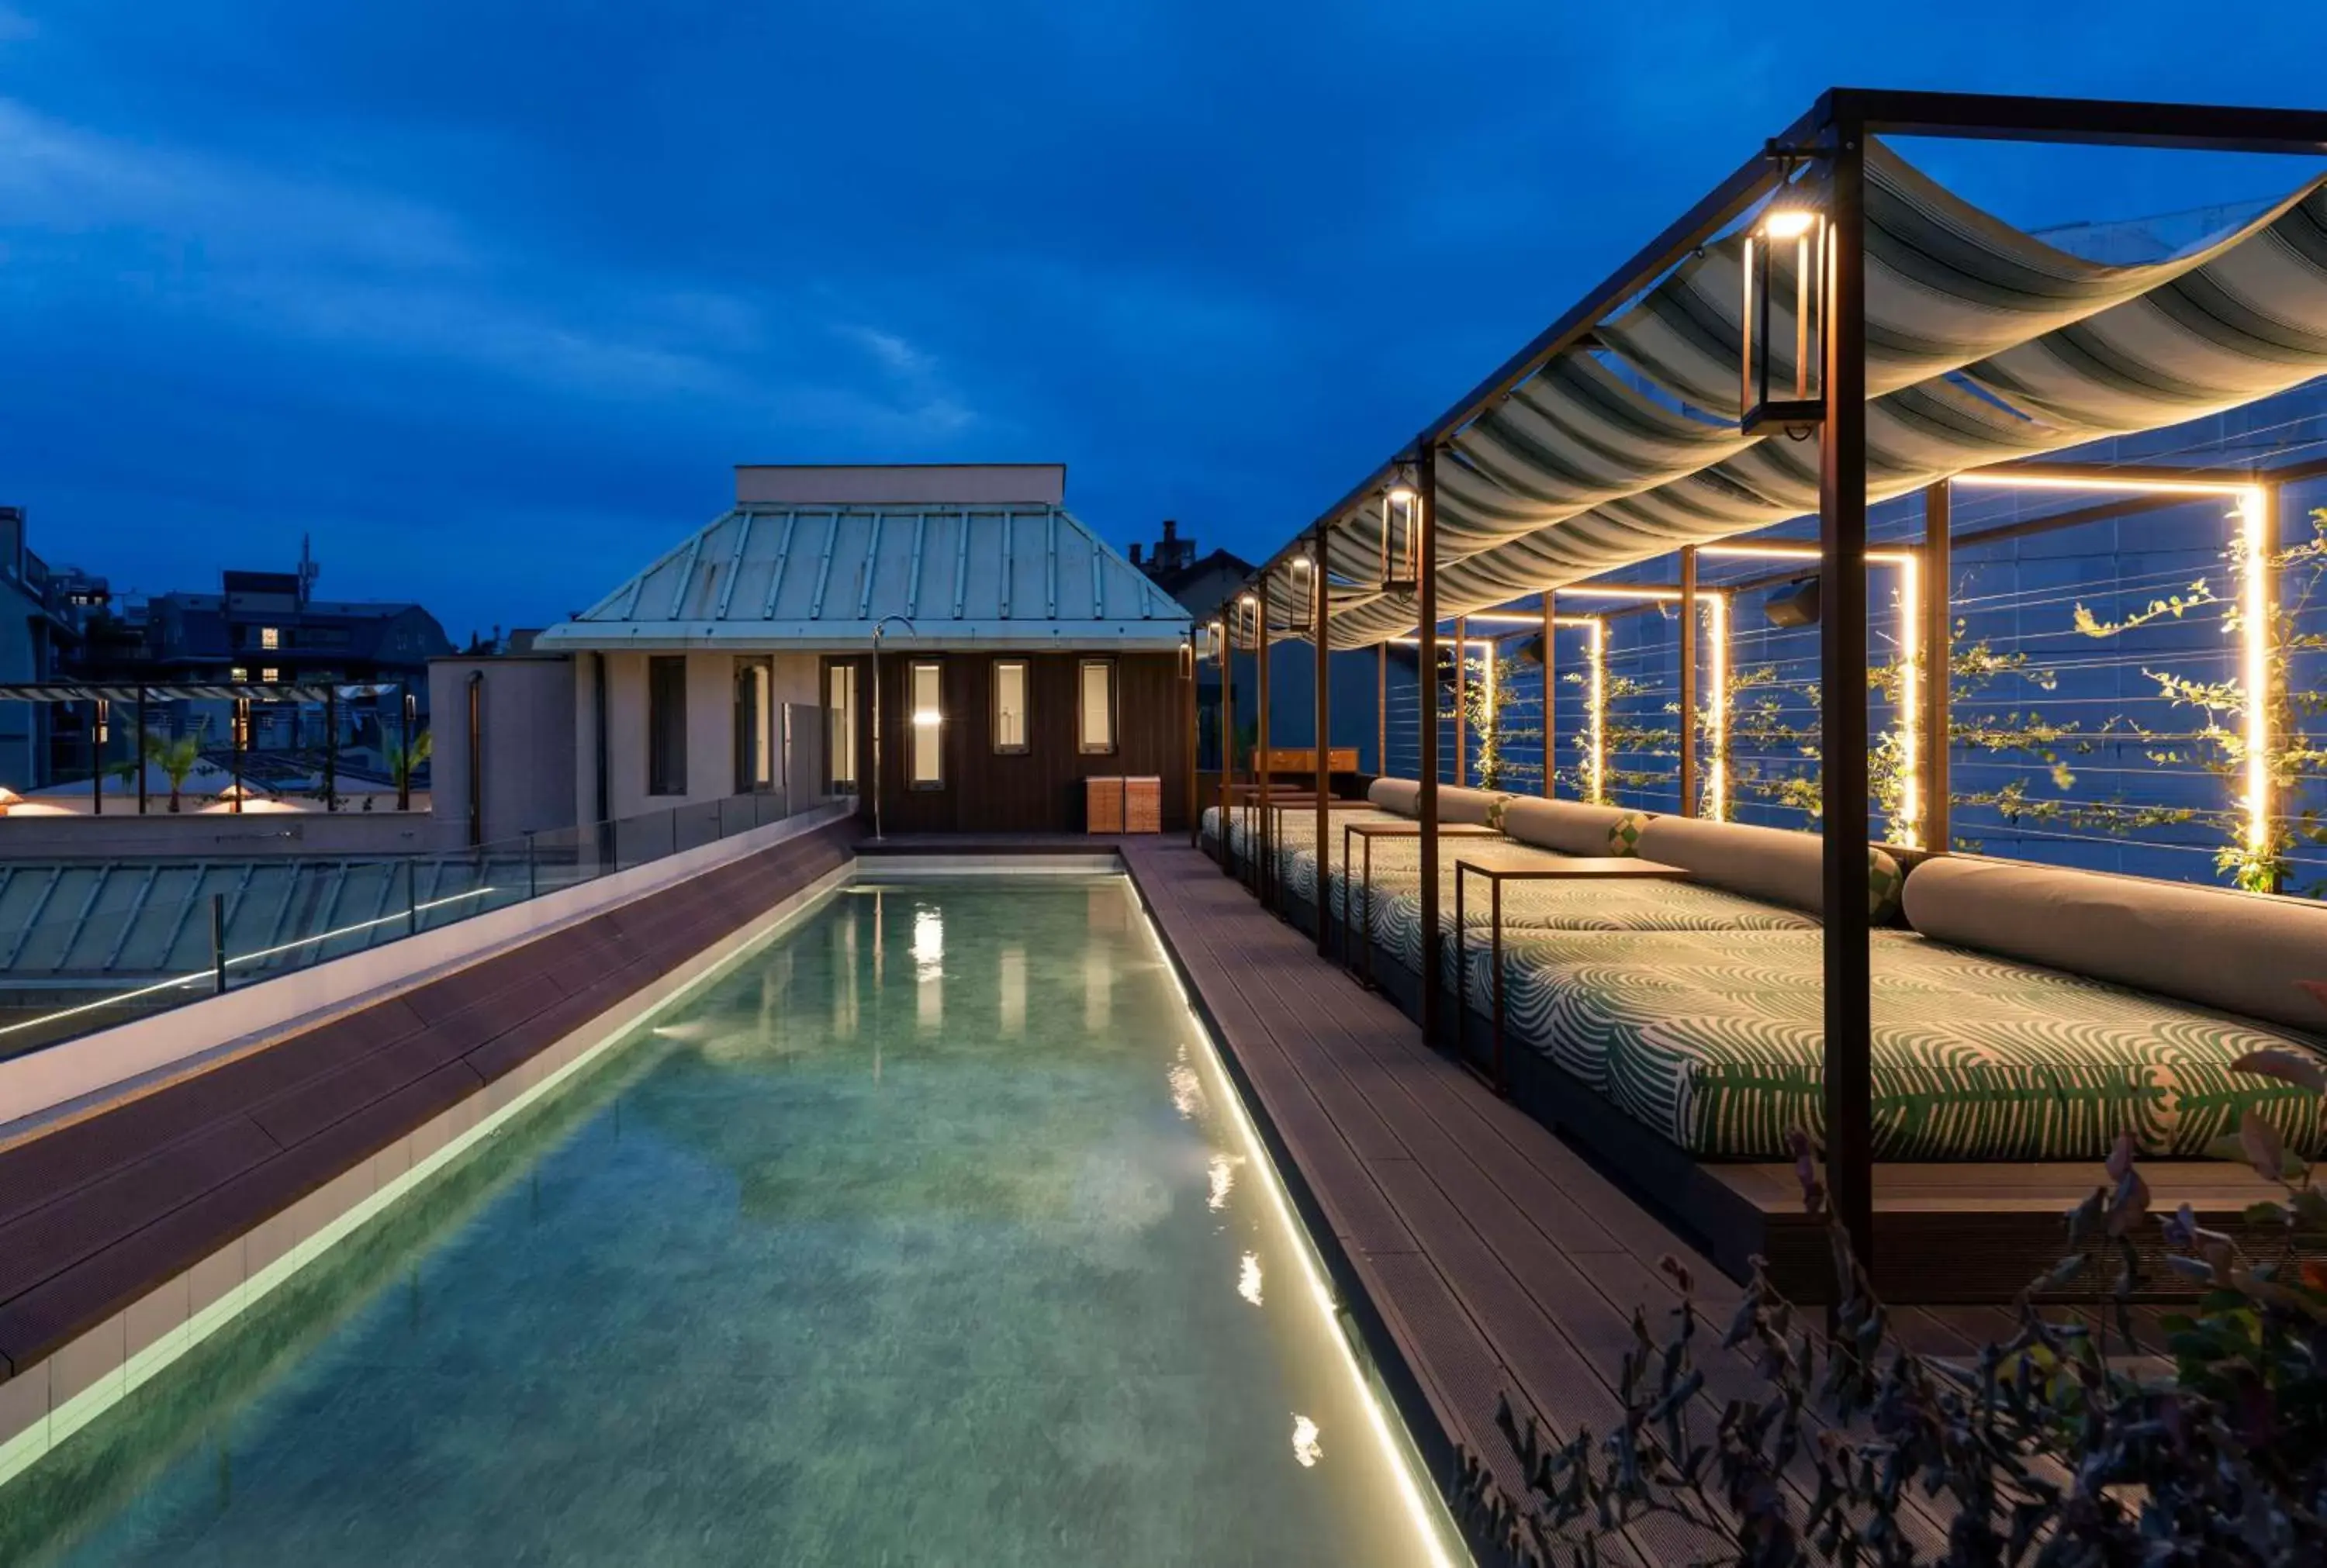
{"x":1002,"y":1305}
{"x":1013,"y":992}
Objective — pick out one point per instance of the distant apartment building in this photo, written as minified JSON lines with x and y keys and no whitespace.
{"x":44,"y":612}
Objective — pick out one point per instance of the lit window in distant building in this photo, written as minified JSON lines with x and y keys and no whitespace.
{"x":270,"y":675}
{"x":238,"y":674}
{"x":270,"y":638}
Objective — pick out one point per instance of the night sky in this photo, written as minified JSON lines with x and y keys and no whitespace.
{"x":488,"y":296}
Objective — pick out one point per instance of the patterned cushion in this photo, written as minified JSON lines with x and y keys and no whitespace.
{"x":1624,"y":833}
{"x":1713,"y":1039}
{"x":1885,"y":883}
{"x":1582,"y":904}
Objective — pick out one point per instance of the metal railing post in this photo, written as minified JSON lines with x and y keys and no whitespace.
{"x":412,"y":897}
{"x":532,"y":876}
{"x":218,"y":944}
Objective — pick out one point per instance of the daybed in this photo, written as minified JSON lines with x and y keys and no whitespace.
{"x":2021,"y":1012}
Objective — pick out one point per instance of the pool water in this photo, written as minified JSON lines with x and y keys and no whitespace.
{"x":926,"y":1234}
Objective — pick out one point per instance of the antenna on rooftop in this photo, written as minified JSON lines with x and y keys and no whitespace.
{"x":308,"y":571}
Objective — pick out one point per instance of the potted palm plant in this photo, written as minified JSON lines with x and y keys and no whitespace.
{"x":175,"y":756}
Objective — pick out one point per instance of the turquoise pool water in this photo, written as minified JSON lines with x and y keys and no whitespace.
{"x":927,"y":1235}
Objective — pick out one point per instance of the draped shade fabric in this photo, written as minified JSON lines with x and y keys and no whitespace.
{"x":1984,"y":344}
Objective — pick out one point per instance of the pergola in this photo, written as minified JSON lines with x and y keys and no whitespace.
{"x":1825,"y":329}
{"x":103,"y":694}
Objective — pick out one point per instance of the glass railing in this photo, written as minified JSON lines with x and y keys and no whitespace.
{"x":87,"y":946}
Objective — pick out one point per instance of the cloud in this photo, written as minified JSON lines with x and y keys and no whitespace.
{"x":924,"y":396}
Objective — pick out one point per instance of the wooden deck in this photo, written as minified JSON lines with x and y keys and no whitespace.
{"x":1482,"y":1256}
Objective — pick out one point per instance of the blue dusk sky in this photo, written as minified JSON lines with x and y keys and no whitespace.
{"x":487,"y":297}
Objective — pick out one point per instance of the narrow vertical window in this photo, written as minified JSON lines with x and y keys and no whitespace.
{"x":926,"y":697}
{"x":667,"y":725}
{"x":754,"y":753}
{"x":840,"y":727}
{"x":1095,"y":706}
{"x":1010,"y":704}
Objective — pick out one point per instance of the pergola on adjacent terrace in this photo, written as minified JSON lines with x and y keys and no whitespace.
{"x":1825,"y":329}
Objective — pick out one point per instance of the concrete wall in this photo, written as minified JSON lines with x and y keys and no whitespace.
{"x":218,"y":834}
{"x":527,"y":724}
{"x":1038,"y":484}
{"x":710,"y":723}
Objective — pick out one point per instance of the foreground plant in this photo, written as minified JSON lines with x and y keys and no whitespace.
{"x":2038,"y":1450}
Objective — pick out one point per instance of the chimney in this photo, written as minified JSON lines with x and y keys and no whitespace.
{"x":1170,"y":530}
{"x":1135,"y":555}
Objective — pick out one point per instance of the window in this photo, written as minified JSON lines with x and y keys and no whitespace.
{"x":237,"y":675}
{"x":1010,"y":704}
{"x":270,"y":638}
{"x":270,"y":675}
{"x":840,"y":727}
{"x":925,"y":696}
{"x":754,"y":754}
{"x":1095,"y":704}
{"x":667,"y":725}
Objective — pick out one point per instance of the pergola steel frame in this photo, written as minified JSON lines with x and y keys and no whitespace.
{"x":1832,"y":135}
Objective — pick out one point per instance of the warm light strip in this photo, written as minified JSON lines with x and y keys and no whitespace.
{"x":2004,"y":479}
{"x":1430,"y":1526}
{"x":1794,"y":552}
{"x":2254,"y":513}
{"x":1718,"y":725}
{"x":2254,"y":603}
{"x":1908,"y":826}
{"x":1599,"y":712}
{"x":1659,"y":593}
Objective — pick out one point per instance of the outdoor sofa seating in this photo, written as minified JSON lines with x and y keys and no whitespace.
{"x":2021,"y":1012}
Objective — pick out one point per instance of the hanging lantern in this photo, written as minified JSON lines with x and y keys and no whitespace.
{"x":1249,"y":620}
{"x":1303,"y":606}
{"x":1791,"y":237}
{"x":1401,"y":532}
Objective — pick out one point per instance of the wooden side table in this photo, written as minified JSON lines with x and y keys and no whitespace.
{"x":1369,"y":831}
{"x":1575,"y":868}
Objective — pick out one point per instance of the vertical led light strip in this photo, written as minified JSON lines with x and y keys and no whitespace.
{"x":2255,"y":545}
{"x":2254,"y":533}
{"x":1716,"y":805}
{"x":1907,"y":825}
{"x":1599,"y":711}
{"x":1910,"y":826}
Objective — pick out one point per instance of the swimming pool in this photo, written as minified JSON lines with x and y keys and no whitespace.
{"x":927,"y":1233}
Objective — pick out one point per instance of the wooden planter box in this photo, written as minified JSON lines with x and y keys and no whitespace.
{"x":1123,"y":804}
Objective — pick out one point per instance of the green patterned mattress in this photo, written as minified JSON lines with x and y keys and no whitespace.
{"x":1713,"y":1038}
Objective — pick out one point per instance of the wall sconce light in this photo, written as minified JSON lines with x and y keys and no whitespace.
{"x":1401,"y":532}
{"x":104,"y":730}
{"x":1789,"y":225}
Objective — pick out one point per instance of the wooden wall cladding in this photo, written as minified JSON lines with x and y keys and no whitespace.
{"x":1040,"y":788}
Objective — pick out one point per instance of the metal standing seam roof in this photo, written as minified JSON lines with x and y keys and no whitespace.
{"x":822,"y":578}
{"x":1984,"y":344}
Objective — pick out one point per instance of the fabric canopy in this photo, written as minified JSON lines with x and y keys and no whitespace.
{"x":1984,"y":344}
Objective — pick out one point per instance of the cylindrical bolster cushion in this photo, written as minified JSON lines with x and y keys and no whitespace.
{"x":1770,"y":864}
{"x":1403,"y":796}
{"x":1761,"y":863}
{"x":1569,"y":826}
{"x":1468,"y":808}
{"x":2240,"y":952}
